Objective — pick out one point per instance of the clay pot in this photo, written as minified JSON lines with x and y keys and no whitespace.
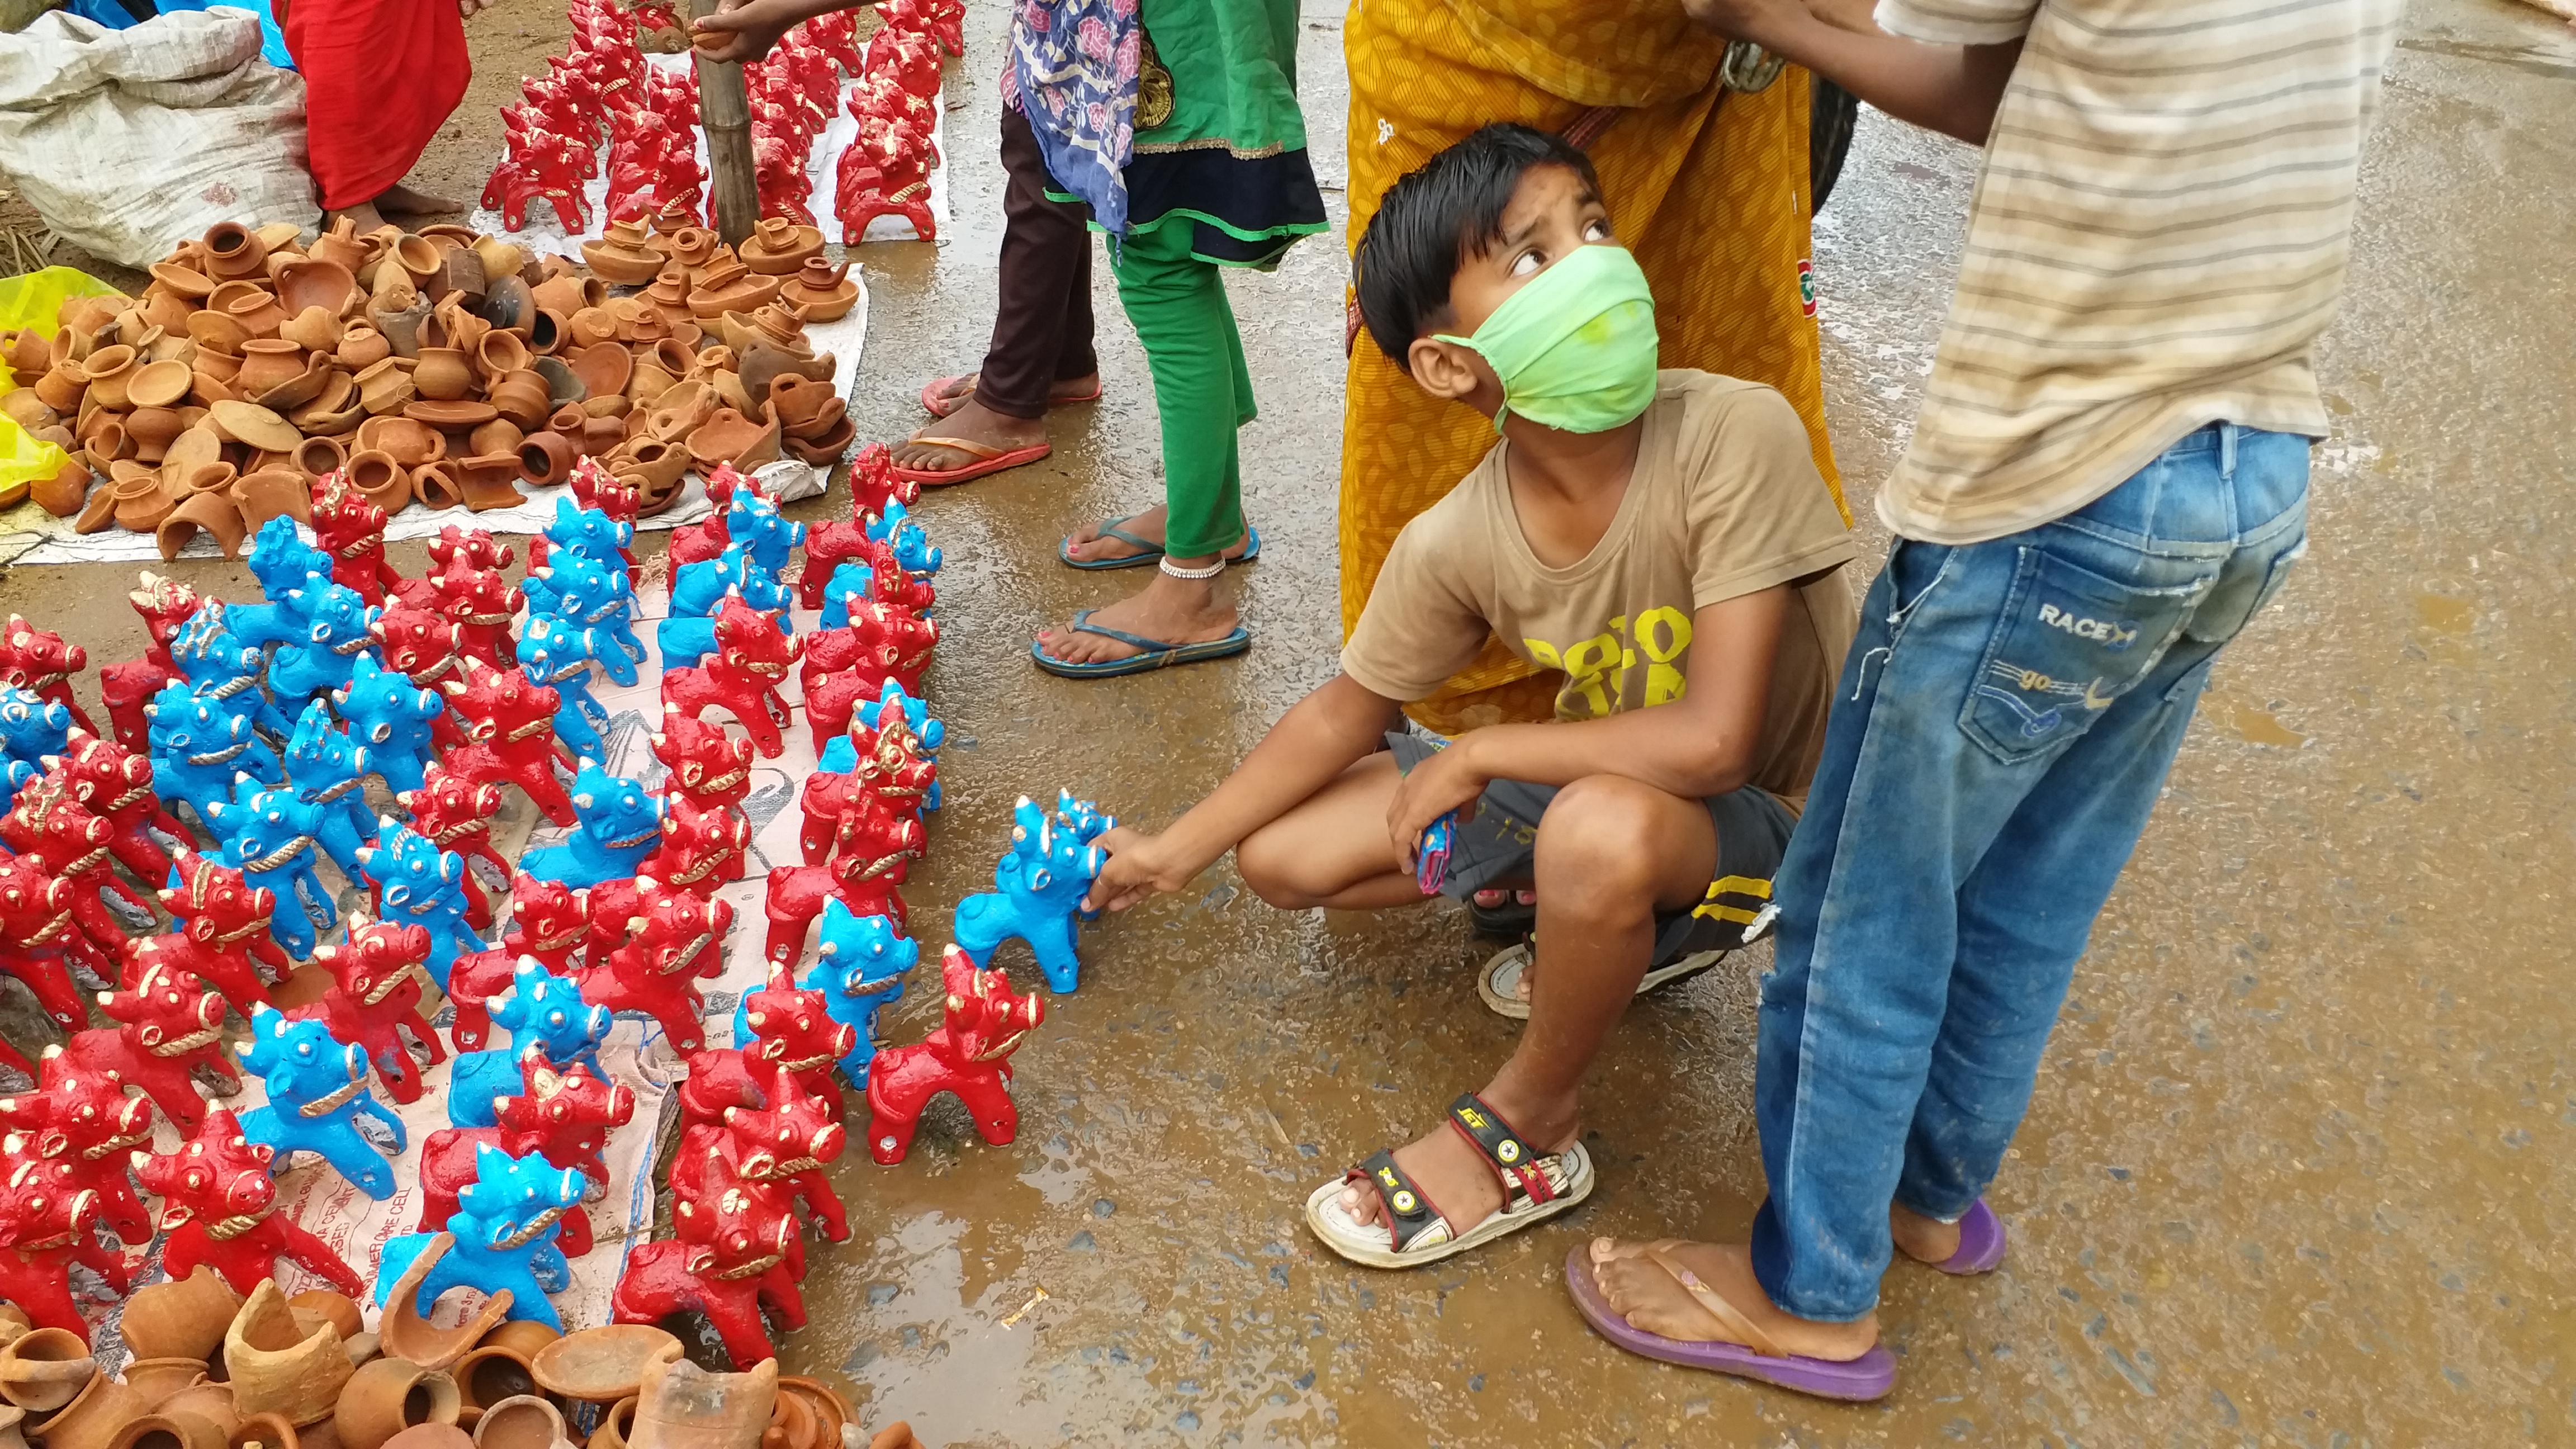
{"x":26,"y":409}
{"x":151,"y":430}
{"x":491,"y":1373}
{"x":216,"y":332}
{"x":670,"y":287}
{"x":547,"y":458}
{"x":681,"y":410}
{"x":620,"y":257}
{"x":442,"y":374}
{"x":691,"y":246}
{"x":459,"y":276}
{"x":233,"y":250}
{"x":159,"y":384}
{"x":189,"y":480}
{"x":277,"y":1366}
{"x":167,"y":310}
{"x":452,"y":417}
{"x":434,"y":485}
{"x":502,"y":353}
{"x":296,"y":391}
{"x":522,"y":397}
{"x":547,"y":330}
{"x":616,"y":1421}
{"x":63,"y":386}
{"x":211,"y":1402}
{"x":26,"y":350}
{"x":509,"y":305}
{"x":730,"y":437}
{"x":62,"y":493}
{"x":214,"y":513}
{"x":567,"y":420}
{"x":249,"y":305}
{"x":822,"y":449}
{"x":499,"y":258}
{"x":569,"y":294}
{"x":335,"y":407}
{"x":829,"y":1409}
{"x":362,"y":347}
{"x":164,"y":1430}
{"x":94,"y":1416}
{"x":823,"y":292}
{"x":405,"y":1332}
{"x":385,"y":482}
{"x":778,"y":247}
{"x":591,"y":327}
{"x":488,"y":481}
{"x":418,"y":259}
{"x":497,"y":436}
{"x":265,"y":1431}
{"x":45,"y":1369}
{"x":250,"y":423}
{"x":340,"y":244}
{"x":601,"y":435}
{"x":731,"y":289}
{"x":314,"y":330}
{"x":603,"y":1365}
{"x":801,"y":403}
{"x":314,"y":458}
{"x":393,"y":1394}
{"x":603,"y":369}
{"x":450,"y":325}
{"x":386,"y":387}
{"x":267,"y":362}
{"x":400,"y":324}
{"x":156,"y":1379}
{"x":649,"y":380}
{"x":682,"y":1406}
{"x":304,"y":285}
{"x":276,"y":493}
{"x":107,"y":372}
{"x":424,"y":1436}
{"x":522,"y":1421}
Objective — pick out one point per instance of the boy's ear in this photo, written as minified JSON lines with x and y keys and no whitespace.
{"x":1443,"y":369}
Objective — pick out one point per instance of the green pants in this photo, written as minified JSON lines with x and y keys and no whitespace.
{"x":1201,"y":386}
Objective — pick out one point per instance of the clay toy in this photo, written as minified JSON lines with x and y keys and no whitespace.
{"x":708,"y":763}
{"x":1040,"y":884}
{"x":283,"y":563}
{"x":328,"y":771}
{"x":480,"y":603}
{"x":32,"y":727}
{"x":911,"y":546}
{"x":620,"y":824}
{"x":858,"y":971}
{"x":351,"y":529}
{"x":375,"y":997}
{"x":888,"y":763}
{"x":594,"y":489}
{"x":504,"y":1232}
{"x":38,"y":936}
{"x":969,"y":1055}
{"x":40,"y":662}
{"x":540,"y":164}
{"x":115,"y":784}
{"x":673,"y":938}
{"x":883,"y":172}
{"x":418,"y":884}
{"x":792,"y":1028}
{"x":59,"y":833}
{"x":472,"y":981}
{"x":420,"y":645}
{"x":339,"y":625}
{"x":827,"y":546}
{"x":455,"y":812}
{"x":873,"y":484}
{"x":782,"y":1145}
{"x":750,"y":520}
{"x":46,"y":1227}
{"x":701,"y":849}
{"x":79,"y":1121}
{"x":927,"y":733}
{"x":225,"y":668}
{"x":700,"y":590}
{"x":876,"y":848}
{"x":728,"y":1261}
{"x":589,"y":593}
{"x":563,"y":1117}
{"x":545,"y":1014}
{"x":198,"y":747}
{"x":548,"y":921}
{"x":223,"y":934}
{"x":127,"y":685}
{"x":835,"y":803}
{"x":589,"y":531}
{"x":219,"y":1206}
{"x":510,"y":720}
{"x":944,"y":23}
{"x":557,"y":656}
{"x":752,"y":656}
{"x":166,"y":1029}
{"x":317,"y":1089}
{"x":268,"y":837}
{"x":393,"y":717}
{"x":844,"y":666}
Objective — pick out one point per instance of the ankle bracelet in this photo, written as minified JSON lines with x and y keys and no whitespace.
{"x":1209,"y":572}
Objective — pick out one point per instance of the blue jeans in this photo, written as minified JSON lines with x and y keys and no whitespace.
{"x":2003,"y":725}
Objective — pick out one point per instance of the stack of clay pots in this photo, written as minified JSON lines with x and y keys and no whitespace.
{"x":441,"y":368}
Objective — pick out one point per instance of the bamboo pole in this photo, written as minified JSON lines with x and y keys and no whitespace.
{"x":726,"y":111}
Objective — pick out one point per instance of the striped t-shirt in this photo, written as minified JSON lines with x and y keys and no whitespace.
{"x":2157,"y":238}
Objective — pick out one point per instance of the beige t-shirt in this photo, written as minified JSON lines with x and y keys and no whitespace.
{"x":1725,"y":500}
{"x":2157,"y":239}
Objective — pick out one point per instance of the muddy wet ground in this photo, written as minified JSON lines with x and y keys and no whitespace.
{"x":2299,"y":1169}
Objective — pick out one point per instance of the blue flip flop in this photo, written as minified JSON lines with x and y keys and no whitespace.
{"x":1153,"y":552}
{"x":1159,"y":654}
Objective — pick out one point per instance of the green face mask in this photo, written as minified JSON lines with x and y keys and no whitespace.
{"x":1575,"y":348}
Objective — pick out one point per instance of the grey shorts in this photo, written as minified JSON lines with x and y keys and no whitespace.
{"x":1500,"y":844}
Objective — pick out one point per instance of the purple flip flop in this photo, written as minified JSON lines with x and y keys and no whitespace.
{"x":1981,"y":1243}
{"x":1870,"y":1376}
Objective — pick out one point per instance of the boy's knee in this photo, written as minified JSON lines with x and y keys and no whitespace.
{"x":1593,"y":842}
{"x":1269,"y":869}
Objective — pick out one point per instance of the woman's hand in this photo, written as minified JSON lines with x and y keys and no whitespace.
{"x":1440,"y":784}
{"x":1139,"y":867}
{"x":1754,"y":20}
{"x":743,"y":30}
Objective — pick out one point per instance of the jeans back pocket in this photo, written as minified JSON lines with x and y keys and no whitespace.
{"x":2068,"y":643}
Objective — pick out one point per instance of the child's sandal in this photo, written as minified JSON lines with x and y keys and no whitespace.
{"x":1535,"y":1186}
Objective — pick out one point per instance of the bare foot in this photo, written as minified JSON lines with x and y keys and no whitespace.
{"x":1461,"y":1184}
{"x":1925,"y":1240}
{"x":364,"y":215}
{"x":403,"y":201}
{"x":1085,"y":388}
{"x":1176,"y":611}
{"x":975,"y":423}
{"x":1088,"y":545}
{"x":1651,"y":1298}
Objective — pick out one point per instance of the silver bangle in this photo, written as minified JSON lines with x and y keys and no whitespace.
{"x":1176,"y":571}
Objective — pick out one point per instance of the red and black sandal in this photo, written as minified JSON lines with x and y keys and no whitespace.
{"x":1536,"y":1185}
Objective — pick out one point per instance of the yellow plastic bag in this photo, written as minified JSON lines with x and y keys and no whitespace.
{"x":24,"y":459}
{"x":31,"y":301}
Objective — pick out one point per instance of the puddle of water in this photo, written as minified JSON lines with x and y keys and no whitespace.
{"x":2444,"y":614}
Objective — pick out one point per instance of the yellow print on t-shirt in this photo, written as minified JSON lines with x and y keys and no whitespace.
{"x":1596,"y":669}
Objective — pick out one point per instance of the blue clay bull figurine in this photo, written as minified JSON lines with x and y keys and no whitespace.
{"x":31,"y":726}
{"x":581,"y":593}
{"x":1041,"y":883}
{"x":328,"y":772}
{"x":317,"y":1089}
{"x":392,"y":718}
{"x":911,"y":546}
{"x":502,"y":1237}
{"x":267,"y":833}
{"x":283,"y":563}
{"x":545,"y":1014}
{"x":339,"y":625}
{"x":418,"y":884}
{"x":227,"y":669}
{"x":860,"y":970}
{"x":557,"y":656}
{"x":754,"y":524}
{"x":588,"y":532}
{"x":198,"y":748}
{"x":621,"y":823}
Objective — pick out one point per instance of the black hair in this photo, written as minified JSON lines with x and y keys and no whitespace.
{"x":1438,"y":216}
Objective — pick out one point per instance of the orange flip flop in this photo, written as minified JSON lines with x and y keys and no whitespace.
{"x":988,"y":460}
